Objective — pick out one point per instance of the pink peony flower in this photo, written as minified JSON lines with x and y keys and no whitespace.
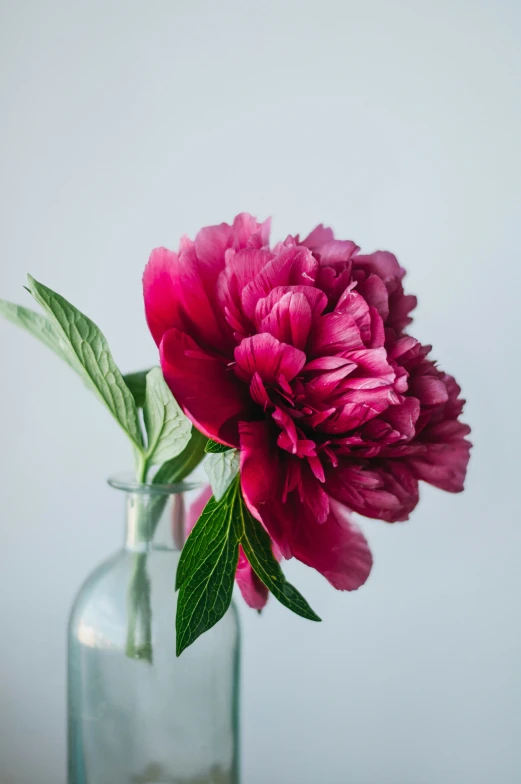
{"x":298,"y":356}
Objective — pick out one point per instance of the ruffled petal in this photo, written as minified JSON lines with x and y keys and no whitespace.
{"x":206,"y":389}
{"x":334,"y":333}
{"x":383,"y":489}
{"x":265,"y":355}
{"x":290,"y":320}
{"x":336,"y":251}
{"x":263,"y":478}
{"x":336,"y":548}
{"x":374,"y":292}
{"x":318,"y":237}
{"x":443,"y":465}
{"x":291,"y":267}
{"x":175,"y":296}
{"x":161,"y":294}
{"x":240,"y":268}
{"x":381,"y":263}
{"x":317,"y":301}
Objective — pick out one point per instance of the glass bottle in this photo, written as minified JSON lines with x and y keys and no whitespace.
{"x":137,"y":714}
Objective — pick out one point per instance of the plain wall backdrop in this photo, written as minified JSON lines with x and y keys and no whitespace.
{"x":127,"y":124}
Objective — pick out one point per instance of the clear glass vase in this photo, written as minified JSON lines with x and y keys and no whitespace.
{"x":137,"y":713}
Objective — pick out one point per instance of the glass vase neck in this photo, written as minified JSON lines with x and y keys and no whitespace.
{"x":155,"y":515}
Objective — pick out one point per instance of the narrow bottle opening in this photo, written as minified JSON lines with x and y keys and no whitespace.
{"x":128,"y":484}
{"x":156,"y":515}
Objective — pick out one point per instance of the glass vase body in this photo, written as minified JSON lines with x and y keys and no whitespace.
{"x":137,"y":714}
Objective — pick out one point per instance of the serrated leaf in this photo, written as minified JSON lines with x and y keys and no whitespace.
{"x":206,"y":571}
{"x":168,"y":429}
{"x":180,"y":467}
{"x":212,"y":447}
{"x":137,"y":383}
{"x":39,"y":327}
{"x":90,"y":356}
{"x":257,"y":547}
{"x":221,"y":469}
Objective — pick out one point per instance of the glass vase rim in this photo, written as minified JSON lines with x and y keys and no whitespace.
{"x":129,"y":484}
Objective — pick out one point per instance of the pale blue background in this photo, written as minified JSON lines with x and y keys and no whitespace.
{"x":125,"y":124}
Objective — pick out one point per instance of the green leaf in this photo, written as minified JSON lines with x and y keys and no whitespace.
{"x":87,"y":349}
{"x":180,"y":467}
{"x":38,"y":326}
{"x":221,"y":469}
{"x":257,"y":547}
{"x":174,"y":471}
{"x":213,"y":447}
{"x":137,"y":383}
{"x":206,"y":571}
{"x":168,"y":429}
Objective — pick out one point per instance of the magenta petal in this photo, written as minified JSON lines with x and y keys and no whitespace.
{"x":160,"y":293}
{"x":429,"y":390}
{"x":377,"y":330}
{"x":318,"y":237}
{"x":175,"y":296}
{"x":374,"y":292}
{"x":336,"y":251}
{"x":336,"y":548}
{"x":317,"y":301}
{"x":246,"y":231}
{"x":263,"y":354}
{"x":373,"y":366}
{"x":291,"y":267}
{"x":211,"y":242}
{"x":290,"y":320}
{"x":362,"y":406}
{"x":334,"y":333}
{"x":262,"y":480}
{"x":389,"y":491}
{"x":253,"y":590}
{"x":327,"y":363}
{"x":381,"y":263}
{"x":316,"y":499}
{"x":205,"y":388}
{"x":443,"y":465}
{"x":240,"y":268}
{"x":403,"y":417}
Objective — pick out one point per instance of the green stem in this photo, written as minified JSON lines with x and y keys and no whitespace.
{"x":174,"y":471}
{"x":139,"y":629}
{"x":142,"y":469}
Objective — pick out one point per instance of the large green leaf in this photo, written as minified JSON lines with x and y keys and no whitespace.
{"x":209,"y":560}
{"x":257,"y":547}
{"x":180,"y":467}
{"x":206,"y":571}
{"x":90,"y":356}
{"x":39,"y":327}
{"x":168,"y":429}
{"x":215,"y":447}
{"x":137,"y":383}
